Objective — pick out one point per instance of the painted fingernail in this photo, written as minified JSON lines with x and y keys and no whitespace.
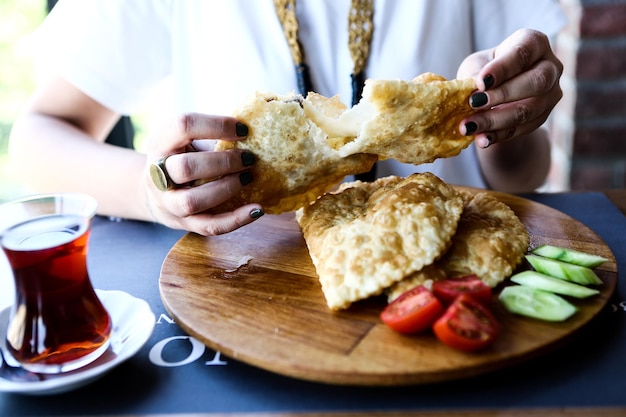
{"x":247,"y":159}
{"x":479,"y":99}
{"x":256,"y":213}
{"x":488,"y":81}
{"x":241,"y":129}
{"x":245,"y":178}
{"x":483,"y":142}
{"x":470,"y":128}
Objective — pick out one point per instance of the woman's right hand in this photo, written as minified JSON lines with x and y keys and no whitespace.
{"x":186,"y":145}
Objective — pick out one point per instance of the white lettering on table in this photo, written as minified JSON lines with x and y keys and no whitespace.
{"x":165,"y":318}
{"x":197,"y":349}
{"x":156,"y":353}
{"x":217,"y":360}
{"x":620,"y":306}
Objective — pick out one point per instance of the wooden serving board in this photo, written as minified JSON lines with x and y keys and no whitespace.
{"x":254,"y":295}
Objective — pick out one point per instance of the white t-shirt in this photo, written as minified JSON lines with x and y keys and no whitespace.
{"x":218,"y":53}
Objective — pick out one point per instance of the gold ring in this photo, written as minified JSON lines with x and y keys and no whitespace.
{"x":159,"y":175}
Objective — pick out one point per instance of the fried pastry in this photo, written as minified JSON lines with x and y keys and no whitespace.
{"x":425,"y":276}
{"x":295,"y":163}
{"x":490,"y":241}
{"x":305,"y":147}
{"x":367,"y":236}
{"x":413,"y":122}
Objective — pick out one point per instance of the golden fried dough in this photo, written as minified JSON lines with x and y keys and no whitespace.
{"x":425,"y":276}
{"x":414,"y":121}
{"x":367,"y":236}
{"x":304,"y":147}
{"x":490,"y":241}
{"x":294,"y":162}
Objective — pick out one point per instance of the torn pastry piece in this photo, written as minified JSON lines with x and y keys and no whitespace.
{"x":410,"y":121}
{"x":367,"y":236}
{"x":305,"y":147}
{"x":490,"y":241}
{"x":295,"y":162}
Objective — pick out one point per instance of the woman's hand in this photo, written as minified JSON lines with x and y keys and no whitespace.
{"x":518,"y":86}
{"x":189,"y":160}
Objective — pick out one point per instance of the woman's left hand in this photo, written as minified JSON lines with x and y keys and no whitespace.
{"x":518,"y":86}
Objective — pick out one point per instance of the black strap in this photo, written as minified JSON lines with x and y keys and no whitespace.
{"x":303,"y":77}
{"x":358,"y":82}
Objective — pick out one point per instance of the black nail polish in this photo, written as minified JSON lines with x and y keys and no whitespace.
{"x":247,"y":159}
{"x":241,"y":129}
{"x":478,"y":100}
{"x":470,"y":128}
{"x":489,"y":80}
{"x":256,"y":213}
{"x":245,"y":178}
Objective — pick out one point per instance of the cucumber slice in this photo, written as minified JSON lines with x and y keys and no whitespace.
{"x":540,"y":281}
{"x":569,"y":272}
{"x":569,"y":255}
{"x":539,"y":304}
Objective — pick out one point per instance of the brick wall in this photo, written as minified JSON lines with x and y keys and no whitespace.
{"x":589,"y":124}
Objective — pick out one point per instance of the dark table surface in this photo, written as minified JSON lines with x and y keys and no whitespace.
{"x":586,"y":377}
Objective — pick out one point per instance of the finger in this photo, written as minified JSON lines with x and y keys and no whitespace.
{"x":486,"y":139}
{"x":471,"y":66}
{"x":538,"y":80}
{"x":510,"y":118}
{"x":184,"y":202}
{"x":217,"y":224}
{"x":505,"y":115}
{"x":516,"y":54}
{"x":161,"y":206}
{"x":191,"y":126}
{"x":190,"y":166}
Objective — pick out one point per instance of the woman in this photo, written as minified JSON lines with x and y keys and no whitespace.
{"x":104,"y":57}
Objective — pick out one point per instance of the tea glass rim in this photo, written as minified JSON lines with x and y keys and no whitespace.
{"x":82,"y":204}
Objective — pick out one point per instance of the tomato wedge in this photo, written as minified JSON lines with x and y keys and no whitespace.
{"x":446,"y":290}
{"x":413,"y":311}
{"x":467,"y":325}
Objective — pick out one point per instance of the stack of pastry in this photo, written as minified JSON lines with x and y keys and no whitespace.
{"x":397,"y":233}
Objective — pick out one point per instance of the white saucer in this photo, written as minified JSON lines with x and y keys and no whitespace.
{"x":133,"y":323}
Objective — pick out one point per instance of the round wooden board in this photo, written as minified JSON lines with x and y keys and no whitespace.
{"x":254,"y":295}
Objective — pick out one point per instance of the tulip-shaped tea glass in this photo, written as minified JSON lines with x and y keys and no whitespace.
{"x":57,"y":323}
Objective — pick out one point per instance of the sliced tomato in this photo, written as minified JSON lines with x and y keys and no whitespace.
{"x":447,"y":290}
{"x":467,"y":325}
{"x":414,"y":311}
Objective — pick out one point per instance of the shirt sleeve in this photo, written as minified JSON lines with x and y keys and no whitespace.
{"x":115,"y":51}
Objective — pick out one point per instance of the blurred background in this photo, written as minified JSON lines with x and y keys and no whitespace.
{"x":588,"y":126}
{"x":17,"y":18}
